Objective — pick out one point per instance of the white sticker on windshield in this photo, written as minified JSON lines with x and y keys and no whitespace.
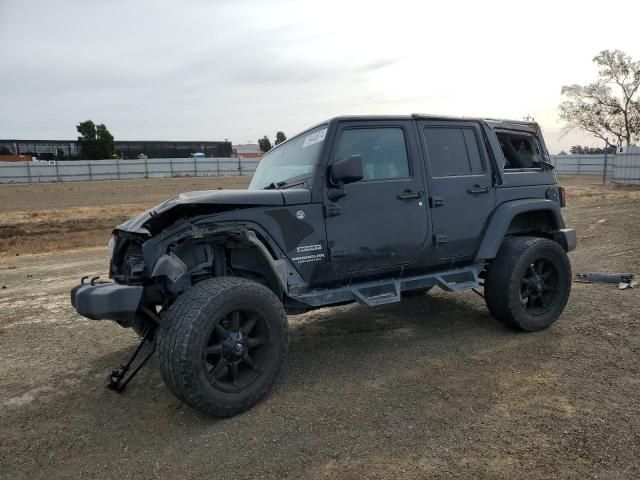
{"x":314,"y":138}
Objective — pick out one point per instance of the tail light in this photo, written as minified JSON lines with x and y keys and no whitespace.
{"x":563,"y":196}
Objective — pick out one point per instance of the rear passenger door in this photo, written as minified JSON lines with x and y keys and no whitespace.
{"x":462,"y":193}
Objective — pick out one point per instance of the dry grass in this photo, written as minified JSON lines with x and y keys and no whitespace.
{"x":50,"y":217}
{"x":586,"y":187}
{"x":54,"y":230}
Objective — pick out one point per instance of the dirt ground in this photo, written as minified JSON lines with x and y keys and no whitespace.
{"x":431,"y":387}
{"x":37,"y":218}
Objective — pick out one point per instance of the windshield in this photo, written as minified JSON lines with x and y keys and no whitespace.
{"x":295,"y":158}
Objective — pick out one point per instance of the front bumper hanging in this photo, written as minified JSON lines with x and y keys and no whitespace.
{"x":106,"y":301}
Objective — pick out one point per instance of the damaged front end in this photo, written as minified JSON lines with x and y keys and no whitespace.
{"x":148,"y":273}
{"x":157,"y":255}
{"x":119,"y":300}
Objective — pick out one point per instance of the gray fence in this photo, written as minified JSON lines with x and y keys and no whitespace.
{"x":581,"y":164}
{"x":68,"y":171}
{"x":621,"y":168}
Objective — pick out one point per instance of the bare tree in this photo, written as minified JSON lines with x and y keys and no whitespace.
{"x":610,"y":107}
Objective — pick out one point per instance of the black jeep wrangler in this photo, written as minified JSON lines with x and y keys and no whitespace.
{"x":366,"y":209}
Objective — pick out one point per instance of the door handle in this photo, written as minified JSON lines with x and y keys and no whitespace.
{"x":408,"y":194}
{"x":479,"y":189}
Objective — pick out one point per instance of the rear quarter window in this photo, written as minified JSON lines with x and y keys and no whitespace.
{"x":520,"y":150}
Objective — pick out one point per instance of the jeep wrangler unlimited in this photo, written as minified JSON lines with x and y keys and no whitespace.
{"x":366,"y":209}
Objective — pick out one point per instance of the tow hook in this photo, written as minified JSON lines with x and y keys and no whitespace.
{"x":93,"y":280}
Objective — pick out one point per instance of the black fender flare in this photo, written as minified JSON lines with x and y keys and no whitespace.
{"x":498,"y":224}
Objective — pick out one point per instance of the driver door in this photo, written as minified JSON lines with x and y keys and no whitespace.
{"x":381,"y":222}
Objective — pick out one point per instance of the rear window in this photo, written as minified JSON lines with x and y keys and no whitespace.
{"x":452,"y":151}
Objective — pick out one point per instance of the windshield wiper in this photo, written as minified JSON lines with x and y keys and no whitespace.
{"x":275,"y":185}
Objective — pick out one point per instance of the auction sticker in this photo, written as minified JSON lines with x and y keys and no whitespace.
{"x":315,"y":137}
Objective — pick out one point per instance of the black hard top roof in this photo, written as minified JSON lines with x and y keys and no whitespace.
{"x":491,"y":122}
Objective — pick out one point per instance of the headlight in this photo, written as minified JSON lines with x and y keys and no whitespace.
{"x":111,"y":245}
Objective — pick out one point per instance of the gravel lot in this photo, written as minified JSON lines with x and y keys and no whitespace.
{"x":432,"y":387}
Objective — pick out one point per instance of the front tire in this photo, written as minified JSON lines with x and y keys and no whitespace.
{"x":222,"y":344}
{"x":528,"y":283}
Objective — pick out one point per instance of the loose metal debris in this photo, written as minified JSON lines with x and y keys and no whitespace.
{"x":624,"y":280}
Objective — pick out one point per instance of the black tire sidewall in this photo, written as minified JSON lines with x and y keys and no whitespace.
{"x":190,"y":322}
{"x":238,"y":300}
{"x":557,"y":256}
{"x":505,"y":274}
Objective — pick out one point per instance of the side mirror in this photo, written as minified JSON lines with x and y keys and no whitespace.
{"x":347,"y":170}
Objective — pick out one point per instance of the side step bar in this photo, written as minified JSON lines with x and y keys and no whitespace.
{"x":390,"y":290}
{"x":371,"y":297}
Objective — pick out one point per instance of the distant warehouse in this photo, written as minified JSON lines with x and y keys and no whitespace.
{"x":70,"y":149}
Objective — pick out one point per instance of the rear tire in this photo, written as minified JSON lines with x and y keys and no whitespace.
{"x":222,"y":344}
{"x":528,"y":283}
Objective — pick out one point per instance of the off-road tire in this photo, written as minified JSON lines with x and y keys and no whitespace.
{"x":503,"y":283}
{"x":183,"y":337}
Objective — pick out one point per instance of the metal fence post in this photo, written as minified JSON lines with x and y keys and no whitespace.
{"x":90,"y":170}
{"x":218,"y":166}
{"x":146,"y":168}
{"x":28,"y":171}
{"x":171,"y":166}
{"x":240,"y":166}
{"x":57,"y":172}
{"x":118,"y":167}
{"x":579,"y":162}
{"x":195,"y":167}
{"x":604,"y":170}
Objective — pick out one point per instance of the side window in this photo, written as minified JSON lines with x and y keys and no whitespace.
{"x":383,"y":151}
{"x":453,"y":151}
{"x":520,"y":150}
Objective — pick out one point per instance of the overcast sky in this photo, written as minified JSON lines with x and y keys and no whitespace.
{"x":239,"y":69}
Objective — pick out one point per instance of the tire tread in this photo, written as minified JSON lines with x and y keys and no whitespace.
{"x":502,"y":293}
{"x":180,"y":331}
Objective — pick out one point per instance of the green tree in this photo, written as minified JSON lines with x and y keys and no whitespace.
{"x":95,"y":141}
{"x":280,"y":137}
{"x":106,"y":143}
{"x":609,"y":107}
{"x":264,"y":143}
{"x":580,"y":150}
{"x":87,"y":139}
